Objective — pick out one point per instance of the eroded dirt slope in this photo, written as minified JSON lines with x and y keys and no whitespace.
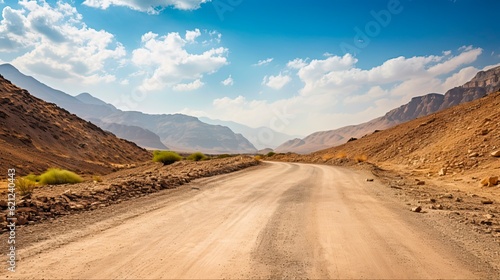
{"x":36,"y":135}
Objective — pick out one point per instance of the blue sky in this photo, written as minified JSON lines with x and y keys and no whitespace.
{"x":294,"y":66}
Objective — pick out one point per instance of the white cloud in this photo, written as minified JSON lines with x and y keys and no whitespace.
{"x":276,"y":82}
{"x":337,"y":93}
{"x":148,"y":6}
{"x":189,"y":86}
{"x":191,"y":35}
{"x":263,"y":62}
{"x":57,"y":43}
{"x":296,"y":63}
{"x":467,"y":56}
{"x":169,"y":63}
{"x":228,"y":82}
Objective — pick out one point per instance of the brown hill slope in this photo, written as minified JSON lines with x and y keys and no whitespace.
{"x":483,"y":83}
{"x":36,"y":135}
{"x":460,"y":139}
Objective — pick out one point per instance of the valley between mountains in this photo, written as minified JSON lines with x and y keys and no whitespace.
{"x":417,"y":197}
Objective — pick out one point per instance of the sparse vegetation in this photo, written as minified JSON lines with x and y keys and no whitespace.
{"x":327,"y":157}
{"x":258,"y":157}
{"x":55,"y":176}
{"x":32,"y":177}
{"x":25,"y":186}
{"x":360,"y":158}
{"x":224,"y":156}
{"x":341,"y":154}
{"x":96,"y":178}
{"x":270,"y":154}
{"x":197,"y":156}
{"x":166,"y":157}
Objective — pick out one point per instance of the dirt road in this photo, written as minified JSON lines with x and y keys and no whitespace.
{"x":277,"y":220}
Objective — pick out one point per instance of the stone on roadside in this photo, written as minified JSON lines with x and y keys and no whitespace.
{"x":442,"y":172}
{"x":495,"y":153}
{"x":417,"y":209}
{"x":369,"y":180}
{"x":490,"y":181}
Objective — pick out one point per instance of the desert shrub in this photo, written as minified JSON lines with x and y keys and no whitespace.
{"x":224,"y":156}
{"x":32,"y":177}
{"x":341,"y":154}
{"x":327,"y":157}
{"x":25,"y":186}
{"x":258,"y":157}
{"x":96,"y":178}
{"x":270,"y":154}
{"x":55,"y":176}
{"x":360,"y":158}
{"x":166,"y":157}
{"x":197,"y":156}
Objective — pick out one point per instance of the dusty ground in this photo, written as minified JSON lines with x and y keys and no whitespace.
{"x":278,"y":220}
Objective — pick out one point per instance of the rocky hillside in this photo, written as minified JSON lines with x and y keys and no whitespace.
{"x":483,"y":83}
{"x":180,"y":132}
{"x":36,"y":135}
{"x":464,"y":138}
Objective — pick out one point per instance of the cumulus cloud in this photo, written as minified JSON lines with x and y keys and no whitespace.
{"x":148,"y":6}
{"x":338,"y":92}
{"x":276,"y":82}
{"x":168,"y":62}
{"x":339,"y":74}
{"x":228,"y":82}
{"x":57,"y":43}
{"x":296,"y":63}
{"x":263,"y":62}
{"x":189,"y":86}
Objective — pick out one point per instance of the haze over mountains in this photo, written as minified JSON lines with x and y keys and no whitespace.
{"x":178,"y":132}
{"x":483,"y":83}
{"x":261,"y":137}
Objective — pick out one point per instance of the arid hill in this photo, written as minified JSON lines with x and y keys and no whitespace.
{"x":457,"y":140}
{"x":36,"y":135}
{"x":483,"y":83}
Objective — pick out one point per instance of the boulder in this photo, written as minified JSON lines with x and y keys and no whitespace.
{"x":490,"y":181}
{"x":495,"y":153}
{"x":442,"y":172}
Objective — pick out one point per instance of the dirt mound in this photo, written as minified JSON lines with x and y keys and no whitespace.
{"x":36,"y":135}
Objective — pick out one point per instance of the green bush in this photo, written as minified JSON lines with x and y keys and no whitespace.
{"x":25,"y":186}
{"x":32,"y":177}
{"x":270,"y":154}
{"x":197,"y":156}
{"x":55,"y":176}
{"x":166,"y":157}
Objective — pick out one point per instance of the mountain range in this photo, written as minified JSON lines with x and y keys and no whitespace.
{"x":261,"y":137}
{"x":173,"y":131}
{"x":483,"y":83}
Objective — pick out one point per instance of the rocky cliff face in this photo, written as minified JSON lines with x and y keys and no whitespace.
{"x":483,"y":83}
